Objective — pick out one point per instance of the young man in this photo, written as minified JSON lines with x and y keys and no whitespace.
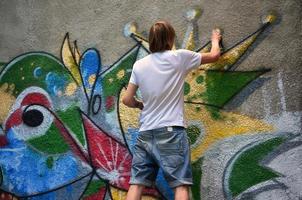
{"x":162,"y":140}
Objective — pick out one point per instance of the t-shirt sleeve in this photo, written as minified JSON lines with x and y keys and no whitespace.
{"x":191,"y":60}
{"x":133,"y":77}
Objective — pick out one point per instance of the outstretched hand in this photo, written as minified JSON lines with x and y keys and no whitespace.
{"x":216,"y":35}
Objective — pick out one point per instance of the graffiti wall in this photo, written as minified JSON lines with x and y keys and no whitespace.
{"x":65,"y":134}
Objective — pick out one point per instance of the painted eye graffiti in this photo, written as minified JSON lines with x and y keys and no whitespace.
{"x":33,"y":118}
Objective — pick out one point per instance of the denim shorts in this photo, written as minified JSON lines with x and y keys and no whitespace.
{"x":166,"y":148}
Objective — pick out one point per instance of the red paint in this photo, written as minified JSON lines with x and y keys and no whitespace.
{"x":109,"y":103}
{"x":71,"y":141}
{"x":35,"y":98}
{"x":111,"y":157}
{"x":6,"y":196}
{"x":3,"y":141}
{"x":14,"y":119}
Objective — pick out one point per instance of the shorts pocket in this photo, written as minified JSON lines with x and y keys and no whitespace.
{"x":171,"y":151}
{"x":174,"y":148}
{"x":172,"y":162}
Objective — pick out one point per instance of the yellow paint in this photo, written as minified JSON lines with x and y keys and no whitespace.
{"x":70,"y":89}
{"x":195,"y":88}
{"x":76,"y":53}
{"x":7,"y":100}
{"x":230,"y":57}
{"x":129,"y":116}
{"x":138,"y":36}
{"x":69,"y":61}
{"x":118,"y":194}
{"x":270,"y":17}
{"x":120,"y":74}
{"x":232,"y":124}
{"x":91,"y":79}
{"x":190,"y":43}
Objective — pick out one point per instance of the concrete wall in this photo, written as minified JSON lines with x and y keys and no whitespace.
{"x":65,"y":135}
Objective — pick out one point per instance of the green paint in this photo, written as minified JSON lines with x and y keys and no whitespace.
{"x":72,"y":120}
{"x":246,"y":170}
{"x":187,"y":88}
{"x":49,"y":162}
{"x":197,"y":174}
{"x":198,"y":108}
{"x":221,"y":86}
{"x":110,"y":80}
{"x":94,"y":187}
{"x":193,"y":133}
{"x":25,"y":65}
{"x":2,"y":65}
{"x":215,"y":113}
{"x":199,"y":79}
{"x":51,"y":142}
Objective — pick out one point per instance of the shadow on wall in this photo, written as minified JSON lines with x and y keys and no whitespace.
{"x":66,"y":135}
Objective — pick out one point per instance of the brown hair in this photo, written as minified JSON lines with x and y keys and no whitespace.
{"x":161,"y":36}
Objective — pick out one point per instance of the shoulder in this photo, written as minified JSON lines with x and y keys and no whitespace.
{"x":140,"y":62}
{"x":184,"y":52}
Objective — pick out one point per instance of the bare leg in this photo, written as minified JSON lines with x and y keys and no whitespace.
{"x":135,"y":192}
{"x":182,"y":192}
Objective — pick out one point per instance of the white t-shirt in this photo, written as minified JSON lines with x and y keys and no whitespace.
{"x":160,"y":77}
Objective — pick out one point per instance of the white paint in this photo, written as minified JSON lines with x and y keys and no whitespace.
{"x":289,"y":164}
{"x":281,"y":90}
{"x":266,"y":101}
{"x":286,"y":121}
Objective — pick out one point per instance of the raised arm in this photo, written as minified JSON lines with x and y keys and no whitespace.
{"x":214,"y":54}
{"x":129,"y":99}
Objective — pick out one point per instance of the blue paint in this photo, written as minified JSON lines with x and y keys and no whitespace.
{"x":38,"y":72}
{"x":25,"y":171}
{"x":55,"y":83}
{"x":90,"y":64}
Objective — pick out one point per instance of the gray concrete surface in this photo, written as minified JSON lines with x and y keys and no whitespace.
{"x":40,"y":25}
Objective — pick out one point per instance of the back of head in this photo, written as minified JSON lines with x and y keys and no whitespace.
{"x":161,"y":36}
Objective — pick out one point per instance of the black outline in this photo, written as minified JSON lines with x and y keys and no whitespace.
{"x":260,"y":30}
{"x":89,"y":99}
{"x":112,"y":65}
{"x":133,"y":36}
{"x":59,"y":120}
{"x":61,"y":56}
{"x":90,"y":179}
{"x":58,"y":188}
{"x":93,"y":103}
